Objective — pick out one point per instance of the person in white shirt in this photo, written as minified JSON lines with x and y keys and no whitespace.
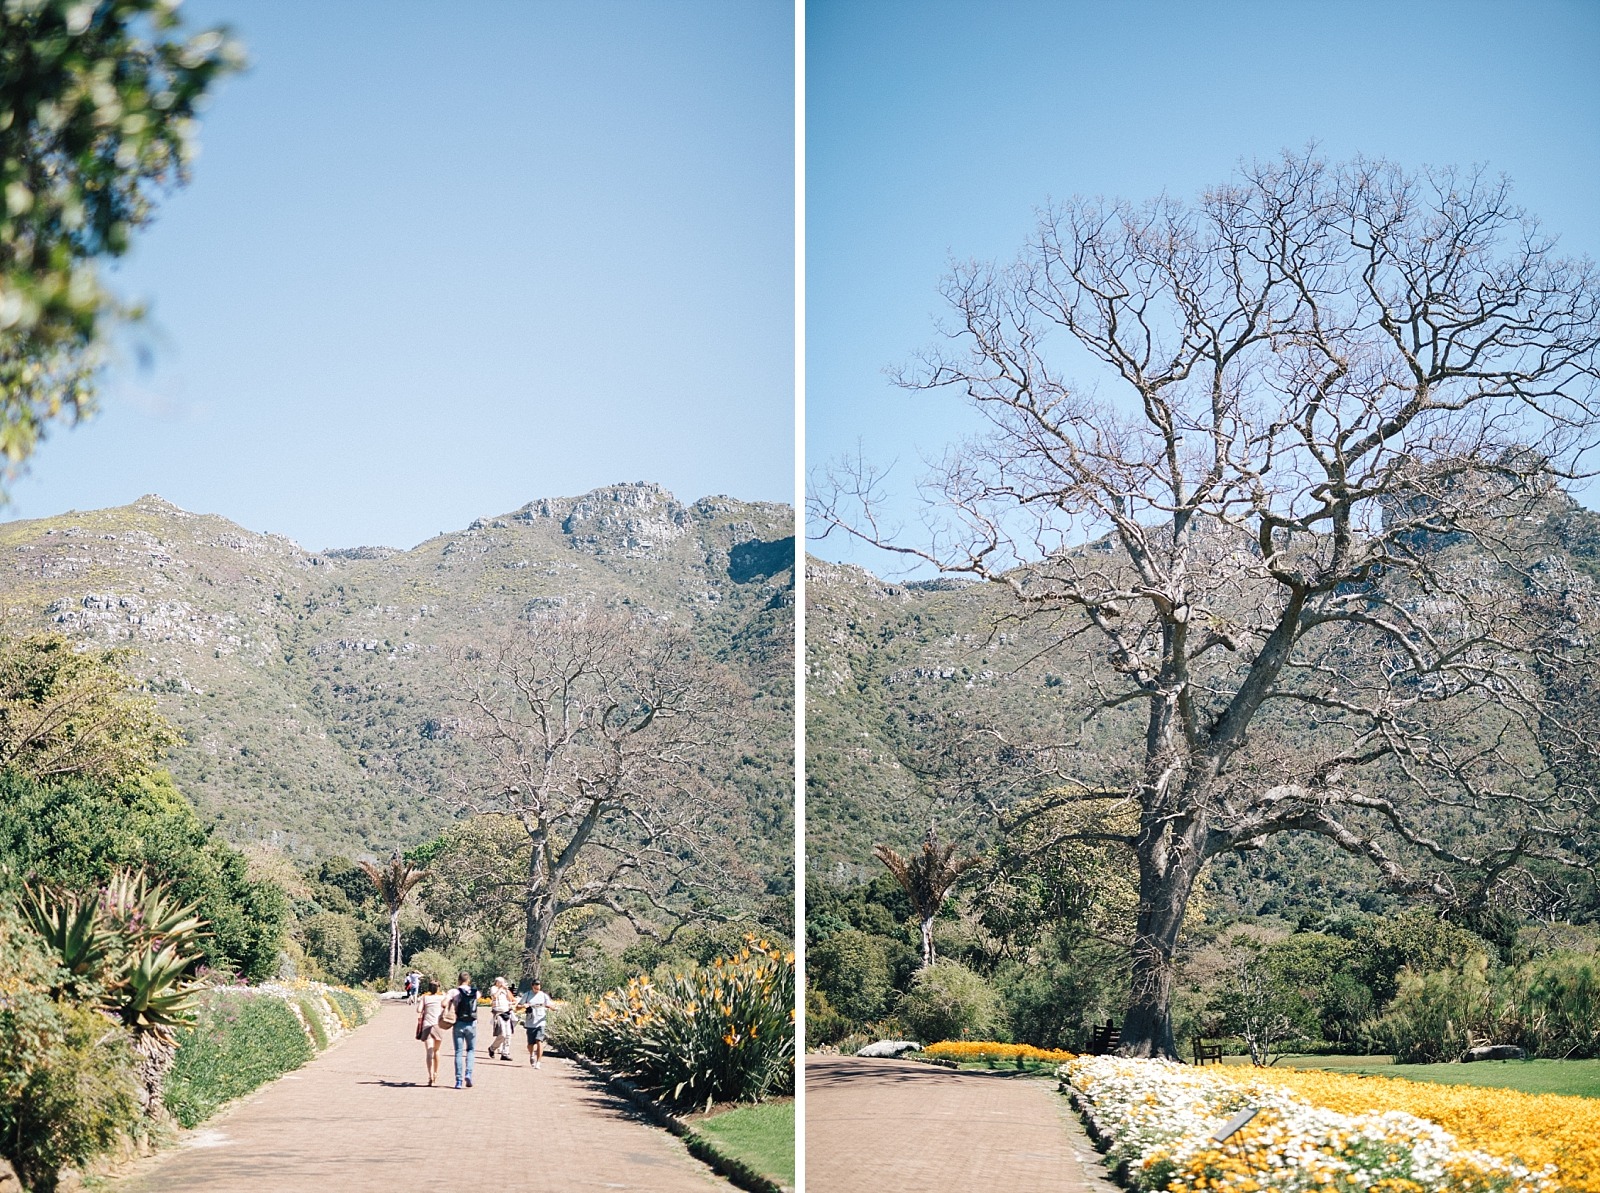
{"x":535,"y":1005}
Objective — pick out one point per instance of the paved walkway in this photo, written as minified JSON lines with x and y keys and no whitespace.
{"x":361,"y":1117}
{"x":882,"y":1126}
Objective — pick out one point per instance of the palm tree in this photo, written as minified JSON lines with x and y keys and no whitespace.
{"x":927,"y":878}
{"x":394,"y":882}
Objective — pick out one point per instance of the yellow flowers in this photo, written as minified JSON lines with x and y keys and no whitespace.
{"x":974,"y":1050}
{"x":1309,"y":1132}
{"x":742,"y":1046}
{"x":1537,"y":1129}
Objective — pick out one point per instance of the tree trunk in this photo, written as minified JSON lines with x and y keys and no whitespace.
{"x":538,"y":916}
{"x":394,"y":944}
{"x":1170,"y":856}
{"x":927,"y":942}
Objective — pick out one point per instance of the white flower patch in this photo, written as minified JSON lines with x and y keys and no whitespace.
{"x":1160,"y":1119}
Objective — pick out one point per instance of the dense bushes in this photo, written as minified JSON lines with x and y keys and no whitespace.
{"x":947,"y":1001}
{"x":67,"y":1089}
{"x":77,"y":832}
{"x":717,"y":1033}
{"x":240,"y":1040}
{"x":1549,"y":1006}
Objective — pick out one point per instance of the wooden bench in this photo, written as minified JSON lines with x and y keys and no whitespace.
{"x":1106,"y":1040}
{"x":1204,"y":1051}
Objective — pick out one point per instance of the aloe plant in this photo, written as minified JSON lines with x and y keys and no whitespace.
{"x":75,"y":931}
{"x":130,"y":949}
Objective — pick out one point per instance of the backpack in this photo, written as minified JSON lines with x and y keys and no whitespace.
{"x":466,"y":1005}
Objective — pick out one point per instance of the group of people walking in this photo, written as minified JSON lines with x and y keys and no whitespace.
{"x":456,"y":1013}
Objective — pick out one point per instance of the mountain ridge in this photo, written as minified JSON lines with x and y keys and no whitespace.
{"x":304,"y":682}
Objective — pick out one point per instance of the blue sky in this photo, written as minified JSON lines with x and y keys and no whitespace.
{"x":438,"y":260}
{"x":933,"y":131}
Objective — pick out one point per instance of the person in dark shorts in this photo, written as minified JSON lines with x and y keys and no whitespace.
{"x":535,"y":1005}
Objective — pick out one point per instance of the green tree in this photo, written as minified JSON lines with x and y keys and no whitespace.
{"x":76,"y":833}
{"x":927,"y":878}
{"x":851,"y":969}
{"x":98,"y":107}
{"x":66,"y":712}
{"x":1266,"y":997}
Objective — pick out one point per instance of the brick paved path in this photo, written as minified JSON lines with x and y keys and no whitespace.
{"x":361,"y":1117}
{"x":883,"y":1126}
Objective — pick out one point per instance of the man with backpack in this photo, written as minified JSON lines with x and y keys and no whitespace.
{"x":464,"y":1001}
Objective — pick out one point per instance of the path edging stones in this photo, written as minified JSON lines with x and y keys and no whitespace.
{"x":1121,"y":1174}
{"x":701,"y":1148}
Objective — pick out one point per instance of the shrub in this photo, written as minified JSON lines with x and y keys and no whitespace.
{"x":569,"y":1029}
{"x":241,"y":1040}
{"x":79,"y":1103}
{"x":947,"y":1001}
{"x":431,"y":963}
{"x":722,"y":1032}
{"x":352,"y":1010}
{"x":824,"y":1025}
{"x":1437,"y":1016}
{"x":1557,"y":999}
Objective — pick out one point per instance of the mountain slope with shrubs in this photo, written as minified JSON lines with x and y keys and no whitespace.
{"x":312,"y":689}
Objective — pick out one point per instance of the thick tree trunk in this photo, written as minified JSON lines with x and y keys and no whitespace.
{"x":1170,"y":857}
{"x":538,"y":917}
{"x":394,"y":945}
{"x":538,"y":920}
{"x":927,"y":942}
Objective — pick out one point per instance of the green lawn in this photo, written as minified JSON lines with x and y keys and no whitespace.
{"x":1030,"y":1068}
{"x":760,"y":1136}
{"x":1578,"y":1077}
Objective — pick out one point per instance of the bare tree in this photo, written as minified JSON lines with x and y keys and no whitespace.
{"x":927,"y":878}
{"x":1288,"y":511}
{"x":595,"y":731}
{"x":394,"y":881}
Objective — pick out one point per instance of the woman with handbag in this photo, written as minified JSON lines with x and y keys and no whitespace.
{"x":430,"y":1021}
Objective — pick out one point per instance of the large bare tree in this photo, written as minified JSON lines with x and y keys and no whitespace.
{"x":596,"y":731}
{"x":1287,"y":510}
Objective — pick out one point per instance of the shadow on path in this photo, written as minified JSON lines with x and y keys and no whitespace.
{"x":361,"y":1117}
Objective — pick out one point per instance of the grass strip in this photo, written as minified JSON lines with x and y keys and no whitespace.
{"x":699,"y":1146}
{"x":760,"y":1136}
{"x":1575,"y":1078}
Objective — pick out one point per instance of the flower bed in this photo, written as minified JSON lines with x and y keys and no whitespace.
{"x":1538,"y":1129}
{"x":720,"y":1033}
{"x":979,"y":1050}
{"x":1160,"y":1119}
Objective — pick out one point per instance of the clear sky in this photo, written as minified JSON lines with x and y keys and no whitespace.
{"x":440,"y":259}
{"x":934,"y":130}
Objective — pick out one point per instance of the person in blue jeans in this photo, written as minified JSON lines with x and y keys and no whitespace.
{"x":465,"y":1032}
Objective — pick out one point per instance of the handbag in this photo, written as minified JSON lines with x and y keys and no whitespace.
{"x":422,"y":1032}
